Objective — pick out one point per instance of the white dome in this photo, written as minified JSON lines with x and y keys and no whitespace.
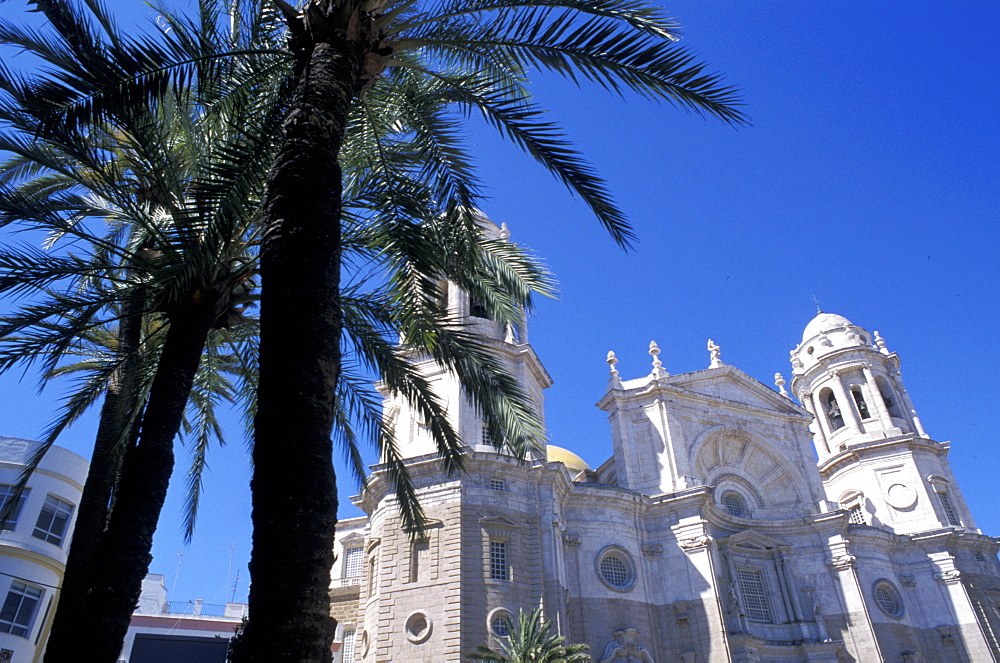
{"x":824,"y":322}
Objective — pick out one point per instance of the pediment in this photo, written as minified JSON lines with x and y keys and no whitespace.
{"x":352,"y":538}
{"x":496,"y":521}
{"x":731,"y":384}
{"x":753,"y":540}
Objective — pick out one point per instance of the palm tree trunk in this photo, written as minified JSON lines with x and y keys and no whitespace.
{"x":102,"y":482}
{"x":294,"y":485}
{"x":122,"y":558}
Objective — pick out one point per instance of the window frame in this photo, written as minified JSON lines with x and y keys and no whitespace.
{"x":749,"y":579}
{"x":53,"y":507}
{"x":499,"y":560}
{"x":24,"y":591}
{"x":621,"y":555}
{"x":6,"y":493}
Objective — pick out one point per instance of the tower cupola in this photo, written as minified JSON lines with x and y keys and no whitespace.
{"x":850,"y":382}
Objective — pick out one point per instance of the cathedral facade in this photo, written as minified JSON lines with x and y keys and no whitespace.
{"x":732,"y":522}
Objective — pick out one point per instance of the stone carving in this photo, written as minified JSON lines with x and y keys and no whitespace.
{"x":652,"y":549}
{"x":841,"y":562}
{"x":613,"y":364}
{"x":948,"y":577}
{"x":911,"y":656}
{"x":780,"y":382}
{"x":880,"y":343}
{"x":571,"y":539}
{"x":626,"y":646}
{"x":907,"y":580}
{"x":713,"y":355}
{"x":658,"y":371}
{"x":695,"y":542}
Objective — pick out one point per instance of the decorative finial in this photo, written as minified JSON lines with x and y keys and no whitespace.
{"x":779,"y":382}
{"x":613,"y":364}
{"x":713,"y":354}
{"x":504,"y":232}
{"x":658,"y":371}
{"x":816,"y":302}
{"x":880,"y":344}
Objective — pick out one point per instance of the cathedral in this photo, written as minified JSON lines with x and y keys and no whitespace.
{"x":731,"y":522}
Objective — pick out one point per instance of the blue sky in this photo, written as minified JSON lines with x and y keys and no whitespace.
{"x":869,"y":180}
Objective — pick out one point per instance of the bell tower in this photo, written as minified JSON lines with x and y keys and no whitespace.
{"x":851,"y":383}
{"x":875,"y":458}
{"x":507,"y":343}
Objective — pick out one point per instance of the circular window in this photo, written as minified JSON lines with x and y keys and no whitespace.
{"x":499,"y":622}
{"x":734,"y":504}
{"x":500,"y":626}
{"x":888,"y":599}
{"x":615,"y":568}
{"x":418,"y":627}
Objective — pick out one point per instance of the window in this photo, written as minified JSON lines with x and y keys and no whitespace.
{"x":855,"y":515}
{"x":347,"y":646}
{"x":887,"y":598}
{"x":6,"y":495}
{"x":498,"y":485}
{"x":478,"y":310}
{"x":859,"y":400}
{"x":949,"y":511}
{"x":614,"y":571}
{"x":500,"y":625}
{"x":353,"y":562}
{"x":19,"y":609}
{"x":615,"y":568}
{"x":832,"y":409}
{"x":734,"y":504}
{"x":751,"y":583}
{"x":498,"y":560}
{"x":53,"y":519}
{"x":372,"y":571}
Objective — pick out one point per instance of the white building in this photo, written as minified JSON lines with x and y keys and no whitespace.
{"x":163,"y":631}
{"x":731,"y":522}
{"x":34,"y":542}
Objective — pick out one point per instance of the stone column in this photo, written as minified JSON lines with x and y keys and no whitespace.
{"x":847,"y":406}
{"x":908,"y":404}
{"x":874,"y":396}
{"x":809,"y":403}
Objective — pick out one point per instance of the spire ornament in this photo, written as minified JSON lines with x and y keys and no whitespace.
{"x":780,"y":382}
{"x":880,"y":344}
{"x":658,"y":371}
{"x":504,"y":232}
{"x":615,"y":381}
{"x":713,"y":355}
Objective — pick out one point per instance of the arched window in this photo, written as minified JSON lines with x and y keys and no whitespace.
{"x":833,"y":413}
{"x":859,"y":400}
{"x":885,"y":391}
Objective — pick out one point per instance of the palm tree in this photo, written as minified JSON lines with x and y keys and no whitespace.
{"x":531,"y":640}
{"x":392,"y":75}
{"x":179,"y":209}
{"x":435,"y":60}
{"x":181,"y":212}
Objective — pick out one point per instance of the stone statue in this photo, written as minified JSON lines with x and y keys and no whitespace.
{"x":713,"y":354}
{"x":626,"y":646}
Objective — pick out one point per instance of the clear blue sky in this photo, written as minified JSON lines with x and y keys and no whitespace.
{"x":869,"y":180}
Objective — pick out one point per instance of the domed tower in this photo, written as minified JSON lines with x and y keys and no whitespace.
{"x":507,"y":343}
{"x":851,"y":383}
{"x":875,"y":458}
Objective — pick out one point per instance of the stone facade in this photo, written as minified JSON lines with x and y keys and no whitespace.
{"x":730,"y":523}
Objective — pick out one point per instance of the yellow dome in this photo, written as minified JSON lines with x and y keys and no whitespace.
{"x":566,"y":457}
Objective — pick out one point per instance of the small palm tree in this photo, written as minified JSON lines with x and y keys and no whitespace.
{"x":531,"y":640}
